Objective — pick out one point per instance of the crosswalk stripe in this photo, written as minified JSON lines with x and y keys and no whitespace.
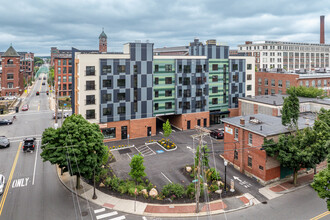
{"x":118,"y":218}
{"x":99,"y":210}
{"x":106,"y":215}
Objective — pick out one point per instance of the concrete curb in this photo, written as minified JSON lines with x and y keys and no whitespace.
{"x":294,"y":189}
{"x":155,"y":214}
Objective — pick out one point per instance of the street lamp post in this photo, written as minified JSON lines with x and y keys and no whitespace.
{"x":225,"y":162}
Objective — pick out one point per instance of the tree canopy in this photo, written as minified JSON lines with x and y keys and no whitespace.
{"x":167,"y":128}
{"x":137,"y":168}
{"x":290,"y":111}
{"x":321,"y":183}
{"x":38,"y":61}
{"x":310,"y":92}
{"x":76,"y":147}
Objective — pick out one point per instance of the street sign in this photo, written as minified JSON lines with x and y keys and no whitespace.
{"x":195,"y":181}
{"x":64,"y":104}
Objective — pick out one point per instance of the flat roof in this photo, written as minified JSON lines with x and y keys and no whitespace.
{"x":269,"y":125}
{"x":277,"y":99}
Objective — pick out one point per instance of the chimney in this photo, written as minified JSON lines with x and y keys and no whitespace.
{"x":322,"y":29}
{"x":242,"y":122}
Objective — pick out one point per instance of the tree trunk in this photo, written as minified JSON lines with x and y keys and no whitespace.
{"x":295,"y":175}
{"x":78,"y":181}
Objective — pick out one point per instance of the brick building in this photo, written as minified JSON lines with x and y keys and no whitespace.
{"x":11,"y":76}
{"x":27,"y":65}
{"x":244,"y":136}
{"x":270,"y":83}
{"x":63,"y":72}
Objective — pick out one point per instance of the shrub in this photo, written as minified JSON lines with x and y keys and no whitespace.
{"x":131,"y":191}
{"x":122,"y":189}
{"x":174,"y":189}
{"x":114,"y":183}
{"x":212,"y":175}
{"x":190,"y":192}
{"x":150,"y":186}
{"x":107,"y":181}
{"x":213,"y":187}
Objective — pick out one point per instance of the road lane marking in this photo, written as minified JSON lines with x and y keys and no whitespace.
{"x":166,"y":177}
{"x":321,"y":215}
{"x":20,"y":182}
{"x":9,"y":179}
{"x":35,"y":165}
{"x":38,"y":106}
{"x":106,"y":215}
{"x":99,"y":210}
{"x":118,"y":218}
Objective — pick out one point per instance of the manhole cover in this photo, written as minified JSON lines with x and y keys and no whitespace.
{"x":84,"y":213}
{"x":124,"y":151}
{"x":264,"y":202}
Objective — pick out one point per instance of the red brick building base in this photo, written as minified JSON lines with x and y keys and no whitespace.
{"x":182,"y":121}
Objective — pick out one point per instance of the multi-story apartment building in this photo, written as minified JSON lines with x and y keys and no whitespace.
{"x":287,"y":55}
{"x":11,"y":77}
{"x":27,"y":65}
{"x":277,"y":83}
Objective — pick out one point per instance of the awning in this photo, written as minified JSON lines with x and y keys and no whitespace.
{"x":219,"y":113}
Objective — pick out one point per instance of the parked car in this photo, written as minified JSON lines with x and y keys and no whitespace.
{"x":5,"y":122}
{"x":25,"y":107}
{"x":217,"y":133}
{"x":47,"y":92}
{"x":4,"y":142}
{"x":43,"y":83}
{"x":37,"y":93}
{"x":29,"y":144}
{"x":59,"y":115}
{"x":2,"y":183}
{"x":2,"y":98}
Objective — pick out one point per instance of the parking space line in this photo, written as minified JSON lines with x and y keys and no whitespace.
{"x":129,"y":156}
{"x":166,"y":177}
{"x":139,"y":151}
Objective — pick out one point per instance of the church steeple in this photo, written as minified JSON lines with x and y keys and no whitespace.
{"x":103,"y":42}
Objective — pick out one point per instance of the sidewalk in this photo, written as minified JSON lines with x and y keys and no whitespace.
{"x":141,"y":208}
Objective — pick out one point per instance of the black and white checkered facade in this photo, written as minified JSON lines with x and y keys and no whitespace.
{"x":141,"y":55}
{"x":193,"y":87}
{"x":236,"y":81}
{"x":212,"y":51}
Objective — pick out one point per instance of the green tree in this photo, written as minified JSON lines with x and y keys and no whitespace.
{"x":76,"y":147}
{"x":310,"y":92}
{"x":137,"y":168}
{"x":38,"y":61}
{"x":321,"y":184}
{"x":290,"y":111}
{"x":205,"y":156}
{"x":167,"y":129}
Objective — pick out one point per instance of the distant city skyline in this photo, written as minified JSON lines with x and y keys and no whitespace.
{"x":36,"y":26}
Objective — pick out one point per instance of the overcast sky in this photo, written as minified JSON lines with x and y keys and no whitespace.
{"x":37,"y":25}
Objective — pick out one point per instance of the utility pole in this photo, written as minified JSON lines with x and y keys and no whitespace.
{"x":56,"y":102}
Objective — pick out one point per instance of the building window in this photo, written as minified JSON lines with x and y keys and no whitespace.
{"x":109,"y":133}
{"x":59,"y":62}
{"x":266,"y":91}
{"x":180,"y":104}
{"x":64,"y":70}
{"x":156,"y":106}
{"x":180,"y":68}
{"x":198,"y":104}
{"x":168,"y":67}
{"x":250,"y":139}
{"x":135,"y":69}
{"x":64,"y":86}
{"x":261,"y":167}
{"x":214,"y":78}
{"x":236,"y":155}
{"x":280,"y":91}
{"x":121,"y":110}
{"x":233,"y":88}
{"x":106,"y":97}
{"x":272,"y":91}
{"x":64,"y":62}
{"x":214,"y":67}
{"x":236,"y":134}
{"x":249,"y":76}
{"x":186,"y":69}
{"x":121,"y":69}
{"x":235,"y":78}
{"x":168,"y":93}
{"x":199,"y":92}
{"x":90,"y":85}
{"x":199,"y":68}
{"x":70,"y":62}
{"x":10,"y":85}
{"x":107,"y":83}
{"x":156,"y":68}
{"x":186,"y":81}
{"x":287,"y":84}
{"x":156,"y":94}
{"x":273,"y":82}
{"x":215,"y":101}
{"x":266,"y":82}
{"x":90,"y":114}
{"x":259,"y":81}
{"x":106,"y":69}
{"x":70,"y":78}
{"x":186,"y":105}
{"x":90,"y":70}
{"x":214,"y":89}
{"x":249,"y":66}
{"x":186,"y":93}
{"x":319,"y":82}
{"x":64,"y":79}
{"x":325,"y":83}
{"x":90,"y":99}
{"x":249,"y":87}
{"x":307,"y":84}
{"x":199,"y":80}
{"x":249,"y":161}
{"x":180,"y":93}
{"x":280,"y":84}
{"x":168,"y":105}
{"x":59,"y":70}
{"x":121,"y":96}
{"x":70,"y":70}
{"x":156,"y":81}
{"x":168,"y":80}
{"x":121,"y":82}
{"x":10,"y":76}
{"x":235,"y":67}
{"x":107,"y":111}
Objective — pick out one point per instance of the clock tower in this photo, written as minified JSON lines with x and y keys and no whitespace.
{"x":103,"y":42}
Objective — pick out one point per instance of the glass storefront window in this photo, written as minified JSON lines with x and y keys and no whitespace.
{"x":109,"y":133}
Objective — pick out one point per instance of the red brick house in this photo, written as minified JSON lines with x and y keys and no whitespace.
{"x":11,"y":77}
{"x":244,"y":136}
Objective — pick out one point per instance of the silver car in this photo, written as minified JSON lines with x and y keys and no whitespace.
{"x":2,"y":183}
